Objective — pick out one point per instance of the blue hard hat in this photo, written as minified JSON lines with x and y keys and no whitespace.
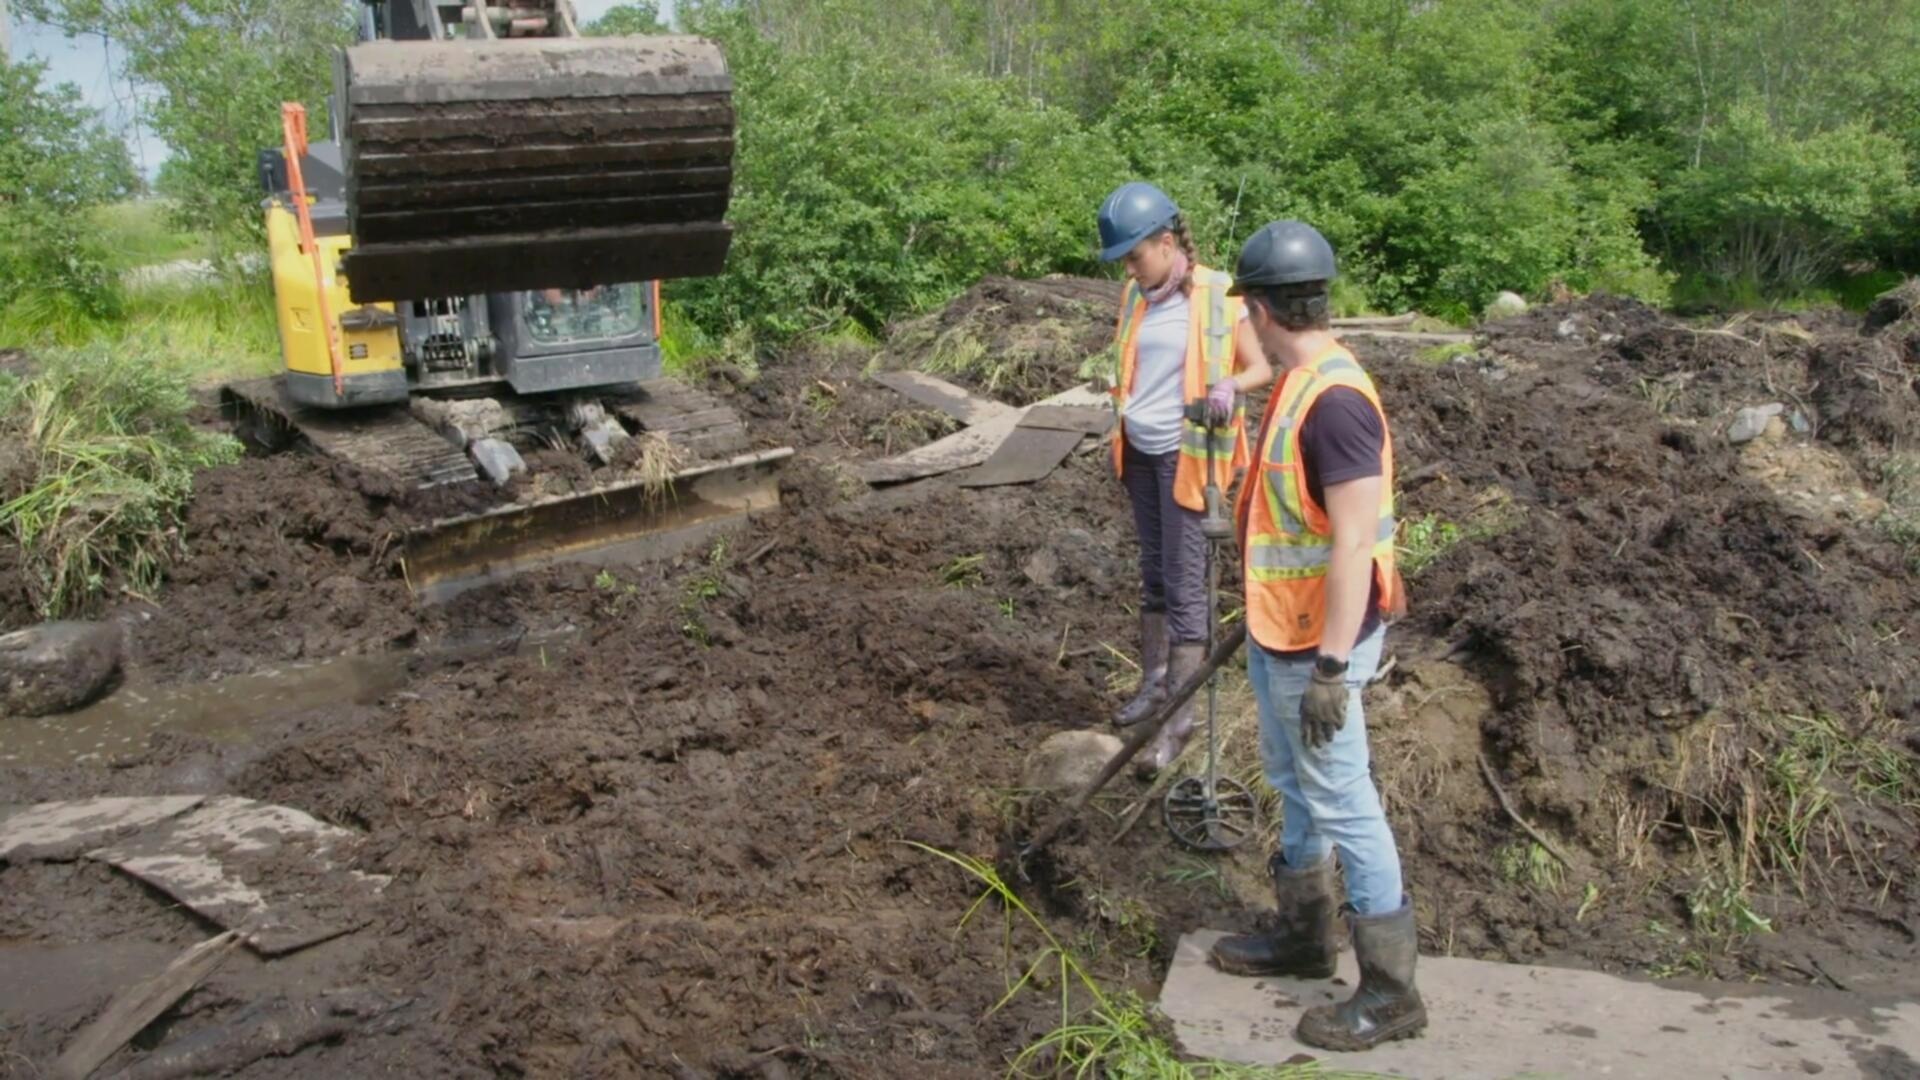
{"x":1131,"y":214}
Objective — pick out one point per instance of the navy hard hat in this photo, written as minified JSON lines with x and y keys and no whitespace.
{"x":1283,"y":253}
{"x":1131,"y":214}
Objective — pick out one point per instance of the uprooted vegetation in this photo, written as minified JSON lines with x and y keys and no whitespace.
{"x":677,"y":834}
{"x":97,"y":459}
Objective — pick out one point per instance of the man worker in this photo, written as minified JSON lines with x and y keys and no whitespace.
{"x":1315,"y":519}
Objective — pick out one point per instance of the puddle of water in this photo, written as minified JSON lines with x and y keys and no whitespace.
{"x":227,"y":709}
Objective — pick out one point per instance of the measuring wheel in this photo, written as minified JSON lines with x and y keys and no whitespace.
{"x":1211,"y":824}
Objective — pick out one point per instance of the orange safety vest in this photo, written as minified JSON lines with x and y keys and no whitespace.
{"x":1286,"y":539}
{"x":1209,"y":359}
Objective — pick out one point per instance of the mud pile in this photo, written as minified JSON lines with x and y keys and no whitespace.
{"x":1018,"y":341}
{"x":684,"y":841}
{"x":283,"y":558}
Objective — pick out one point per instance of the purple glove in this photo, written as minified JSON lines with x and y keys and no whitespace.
{"x":1220,"y":401}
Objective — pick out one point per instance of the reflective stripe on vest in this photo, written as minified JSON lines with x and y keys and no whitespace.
{"x":1287,"y":540}
{"x":1210,"y":343}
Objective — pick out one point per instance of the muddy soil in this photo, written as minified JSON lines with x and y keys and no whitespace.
{"x":685,"y":845}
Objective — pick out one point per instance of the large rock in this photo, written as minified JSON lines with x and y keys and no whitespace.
{"x":56,"y":666}
{"x":1505,"y":306}
{"x":1752,"y":422}
{"x":1069,"y":760}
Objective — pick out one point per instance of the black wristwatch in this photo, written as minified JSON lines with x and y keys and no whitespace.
{"x":1327,"y":665}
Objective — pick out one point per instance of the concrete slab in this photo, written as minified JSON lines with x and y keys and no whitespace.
{"x":62,"y":830}
{"x":1492,"y":1020}
{"x":274,"y":873}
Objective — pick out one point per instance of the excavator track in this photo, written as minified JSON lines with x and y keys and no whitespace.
{"x":626,"y":520}
{"x":388,"y":441}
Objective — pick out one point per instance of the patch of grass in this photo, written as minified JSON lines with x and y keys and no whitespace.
{"x":1719,"y":907}
{"x":1525,"y":862}
{"x":1196,"y":874}
{"x":1661,"y":394}
{"x":1900,"y":482}
{"x":1445,"y":353}
{"x":1812,"y":761}
{"x":707,"y":585}
{"x":1111,"y":1035}
{"x":206,"y":330}
{"x":964,"y":572}
{"x":140,"y":232}
{"x":96,"y":466}
{"x":821,"y":398}
{"x":1424,"y":540}
{"x":1589,"y":897}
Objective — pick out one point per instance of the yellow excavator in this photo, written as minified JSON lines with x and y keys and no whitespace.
{"x":470,"y":267}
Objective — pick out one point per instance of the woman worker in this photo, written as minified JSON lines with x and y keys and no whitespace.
{"x":1183,"y":342}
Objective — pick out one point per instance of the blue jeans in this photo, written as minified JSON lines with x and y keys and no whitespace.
{"x":1327,"y":795}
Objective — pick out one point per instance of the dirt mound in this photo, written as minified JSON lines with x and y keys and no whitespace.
{"x":1018,"y":341}
{"x":1898,"y":306}
{"x":1671,"y":632}
{"x":681,"y":841}
{"x":285,"y":558}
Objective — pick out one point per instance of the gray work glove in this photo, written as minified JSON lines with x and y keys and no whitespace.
{"x":1323,"y":709}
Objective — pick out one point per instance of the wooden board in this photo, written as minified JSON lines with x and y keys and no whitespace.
{"x":935,"y":393}
{"x":278,"y":875}
{"x":962,"y":449}
{"x":1508,"y":1020}
{"x":1085,"y":419}
{"x":139,"y":1005}
{"x":1026,"y":455}
{"x":61,"y":830}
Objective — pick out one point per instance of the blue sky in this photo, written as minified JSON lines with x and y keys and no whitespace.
{"x":89,"y":64}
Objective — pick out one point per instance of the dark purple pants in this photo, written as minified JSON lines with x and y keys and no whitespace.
{"x":1173,"y":549}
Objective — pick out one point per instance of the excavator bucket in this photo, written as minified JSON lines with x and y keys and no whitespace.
{"x":479,"y":166}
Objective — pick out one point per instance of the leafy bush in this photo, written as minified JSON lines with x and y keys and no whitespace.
{"x":219,"y":70}
{"x":100,"y":465}
{"x":56,"y":161}
{"x":1765,"y":207}
{"x":870,"y":185}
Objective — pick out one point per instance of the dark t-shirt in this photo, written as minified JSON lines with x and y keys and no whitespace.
{"x":1341,"y":440}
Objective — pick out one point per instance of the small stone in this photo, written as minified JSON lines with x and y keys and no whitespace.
{"x":497,"y":460}
{"x":56,"y":667}
{"x":1568,"y":329}
{"x":1069,"y":760}
{"x":1798,"y":421}
{"x":1505,"y":306}
{"x":1751,"y":422}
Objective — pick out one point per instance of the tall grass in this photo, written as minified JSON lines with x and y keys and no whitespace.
{"x":140,"y":232}
{"x":1111,"y":1035}
{"x":99,"y":462}
{"x":204,"y":330}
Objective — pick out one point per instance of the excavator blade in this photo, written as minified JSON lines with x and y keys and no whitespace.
{"x":620,"y":523}
{"x":478,"y":166}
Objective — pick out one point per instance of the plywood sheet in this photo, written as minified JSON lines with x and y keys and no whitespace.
{"x":278,"y":875}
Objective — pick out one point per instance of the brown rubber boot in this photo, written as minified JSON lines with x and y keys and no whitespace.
{"x":1153,"y":671}
{"x":1182,"y":661}
{"x":1301,"y":940}
{"x":1386,"y":1006}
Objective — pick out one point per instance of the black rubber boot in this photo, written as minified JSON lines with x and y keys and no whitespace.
{"x":1301,"y":940}
{"x":1386,"y":1006}
{"x":1153,"y":671}
{"x":1182,"y":662}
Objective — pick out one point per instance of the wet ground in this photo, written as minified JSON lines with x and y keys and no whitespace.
{"x":683,"y":843}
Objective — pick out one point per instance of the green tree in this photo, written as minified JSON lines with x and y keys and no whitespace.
{"x":628,"y":17}
{"x":220,"y":69}
{"x":57,"y":159}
